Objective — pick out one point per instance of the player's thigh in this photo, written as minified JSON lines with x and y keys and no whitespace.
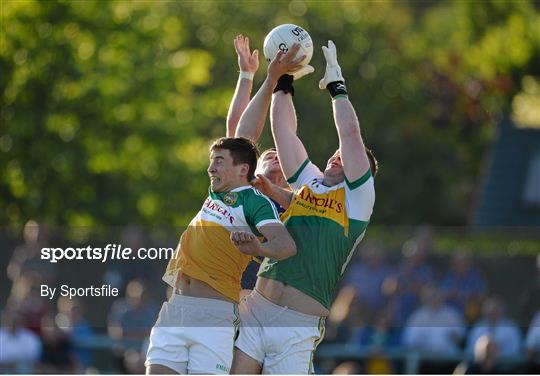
{"x":244,"y":364}
{"x":296,"y":363}
{"x":296,"y":348}
{"x":212,"y":350}
{"x":167,"y":345}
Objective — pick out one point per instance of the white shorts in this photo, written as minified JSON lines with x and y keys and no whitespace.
{"x":281,"y":340}
{"x":194,"y":335}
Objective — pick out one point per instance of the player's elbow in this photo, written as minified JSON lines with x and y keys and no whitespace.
{"x":240,"y":132}
{"x":288,"y":249}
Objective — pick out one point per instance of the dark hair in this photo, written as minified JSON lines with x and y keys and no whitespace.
{"x":373,"y":163}
{"x":242,"y":151}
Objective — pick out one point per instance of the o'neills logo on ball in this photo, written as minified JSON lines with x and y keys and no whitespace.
{"x":230,"y":198}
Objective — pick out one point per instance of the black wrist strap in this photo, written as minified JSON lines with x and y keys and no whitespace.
{"x":337,"y":88}
{"x":285,"y":84}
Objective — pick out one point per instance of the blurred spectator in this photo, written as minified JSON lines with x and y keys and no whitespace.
{"x":413,"y":274}
{"x":486,"y":359}
{"x":435,"y":329}
{"x":32,"y":307}
{"x":134,"y":315}
{"x":346,"y":317}
{"x":19,"y":347}
{"x":71,"y":317}
{"x":134,"y":359}
{"x":58,"y":354}
{"x":27,"y":273}
{"x":131,"y":318}
{"x":464,"y":287}
{"x":26,"y":260}
{"x":501,"y":330}
{"x":367,"y":277}
{"x":379,"y":337}
{"x":348,"y":368}
{"x":532,"y":345}
{"x":530,"y":297}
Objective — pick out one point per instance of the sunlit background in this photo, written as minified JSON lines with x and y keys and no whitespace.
{"x":107,"y":109}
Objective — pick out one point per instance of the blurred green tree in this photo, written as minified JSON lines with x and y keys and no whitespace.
{"x":107,"y":108}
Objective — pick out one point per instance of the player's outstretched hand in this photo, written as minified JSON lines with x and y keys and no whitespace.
{"x":263,"y":184}
{"x":333,"y":70}
{"x":247,"y":61}
{"x":289,"y":63}
{"x":246,"y":242}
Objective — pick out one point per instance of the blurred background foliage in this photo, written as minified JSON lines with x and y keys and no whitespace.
{"x":108,"y":107}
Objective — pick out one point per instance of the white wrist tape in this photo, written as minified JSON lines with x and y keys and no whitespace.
{"x":248,"y":75}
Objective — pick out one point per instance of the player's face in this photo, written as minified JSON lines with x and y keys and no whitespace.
{"x":224,"y":174}
{"x":333,"y":173}
{"x":268,"y":163}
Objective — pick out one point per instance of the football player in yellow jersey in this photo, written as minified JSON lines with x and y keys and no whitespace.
{"x":195,"y":329}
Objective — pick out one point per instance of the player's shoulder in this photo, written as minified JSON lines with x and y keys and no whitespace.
{"x":254,"y":197}
{"x":258,"y":204}
{"x":366,"y":180}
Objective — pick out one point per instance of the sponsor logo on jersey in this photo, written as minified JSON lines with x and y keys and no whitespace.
{"x":320,"y":202}
{"x":213,"y":207}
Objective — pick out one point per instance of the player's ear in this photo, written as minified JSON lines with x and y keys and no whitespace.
{"x":244,"y":169}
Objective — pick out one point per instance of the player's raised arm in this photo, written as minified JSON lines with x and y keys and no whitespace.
{"x":353,"y":154}
{"x":291,"y":151}
{"x":248,"y":63}
{"x":252,"y":121}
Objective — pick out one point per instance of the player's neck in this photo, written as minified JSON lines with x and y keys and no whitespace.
{"x":234,"y":185}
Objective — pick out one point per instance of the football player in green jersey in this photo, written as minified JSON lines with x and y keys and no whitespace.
{"x":327,"y":215}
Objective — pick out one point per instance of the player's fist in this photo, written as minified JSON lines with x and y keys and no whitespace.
{"x":246,"y":242}
{"x":333,"y":70}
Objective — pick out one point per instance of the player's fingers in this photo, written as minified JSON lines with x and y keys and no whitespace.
{"x":263,"y":179}
{"x":255,"y":54}
{"x":245,"y":237}
{"x":256,"y":183}
{"x":279,"y":55}
{"x":235,"y":236}
{"x":298,"y":60}
{"x":293,"y":50}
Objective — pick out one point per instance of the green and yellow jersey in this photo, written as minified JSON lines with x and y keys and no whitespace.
{"x":205,"y":251}
{"x":327,"y":223}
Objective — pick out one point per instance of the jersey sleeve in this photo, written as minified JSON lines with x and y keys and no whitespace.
{"x":260,"y":210}
{"x":306,"y":173}
{"x":360,"y":197}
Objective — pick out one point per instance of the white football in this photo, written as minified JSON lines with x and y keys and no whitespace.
{"x":282,"y":37}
